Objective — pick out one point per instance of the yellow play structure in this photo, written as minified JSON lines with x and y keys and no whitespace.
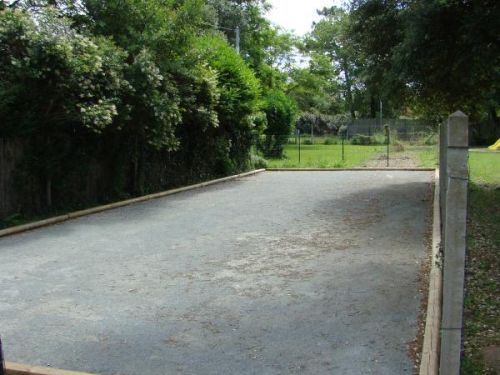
{"x":495,"y":146}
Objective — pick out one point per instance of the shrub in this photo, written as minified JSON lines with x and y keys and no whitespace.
{"x":320,"y":123}
{"x":331,"y":141}
{"x":280,"y":114}
{"x":362,"y":140}
{"x":236,"y":102}
{"x":379,"y":139}
{"x":258,"y":162}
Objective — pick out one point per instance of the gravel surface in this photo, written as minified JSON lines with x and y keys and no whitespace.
{"x":277,"y":273}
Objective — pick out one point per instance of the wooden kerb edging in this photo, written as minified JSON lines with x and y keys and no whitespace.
{"x":20,"y":369}
{"x":93,"y":210}
{"x":430,"y":350}
{"x":349,"y":169}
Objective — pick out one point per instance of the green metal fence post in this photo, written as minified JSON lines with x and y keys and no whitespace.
{"x":343,"y":151}
{"x":299,"y":146}
{"x":388,"y":136}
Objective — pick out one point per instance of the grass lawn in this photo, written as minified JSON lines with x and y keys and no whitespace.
{"x":482,"y":298}
{"x":485,"y":167}
{"x":326,"y":156}
{"x":330,"y":156}
{"x":426,"y":156}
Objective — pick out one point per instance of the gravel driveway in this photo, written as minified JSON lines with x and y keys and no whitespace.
{"x":277,"y":273}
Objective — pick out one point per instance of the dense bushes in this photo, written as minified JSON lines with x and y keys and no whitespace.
{"x":116,"y":112}
{"x":280,"y":112}
{"x":320,"y":124}
{"x":238,"y":100}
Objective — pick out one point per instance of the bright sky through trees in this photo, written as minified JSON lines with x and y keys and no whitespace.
{"x":297,"y":15}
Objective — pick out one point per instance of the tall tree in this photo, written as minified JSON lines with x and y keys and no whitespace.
{"x":330,"y":37}
{"x":444,"y":54}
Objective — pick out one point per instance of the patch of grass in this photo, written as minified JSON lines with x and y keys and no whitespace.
{"x":482,"y":299}
{"x":326,"y":156}
{"x":329,"y":155}
{"x":484,"y":167}
{"x":426,"y":156}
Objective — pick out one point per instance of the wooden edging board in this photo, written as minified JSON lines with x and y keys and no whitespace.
{"x":20,"y":369}
{"x":73,"y":215}
{"x":348,"y":169}
{"x":429,"y":364}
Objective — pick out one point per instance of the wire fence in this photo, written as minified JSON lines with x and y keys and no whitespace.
{"x":390,"y":148}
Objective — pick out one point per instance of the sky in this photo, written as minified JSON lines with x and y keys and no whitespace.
{"x":297,"y":15}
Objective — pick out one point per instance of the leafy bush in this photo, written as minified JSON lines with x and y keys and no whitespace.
{"x":362,"y":140}
{"x":320,"y":123}
{"x":53,"y":79}
{"x":379,"y":139}
{"x":258,"y":162}
{"x":331,"y":141}
{"x":238,"y":97}
{"x":280,"y":114}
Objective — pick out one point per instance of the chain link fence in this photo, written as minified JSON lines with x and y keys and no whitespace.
{"x":395,"y":148}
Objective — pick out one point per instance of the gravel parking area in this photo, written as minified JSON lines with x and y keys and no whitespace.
{"x":277,"y":273}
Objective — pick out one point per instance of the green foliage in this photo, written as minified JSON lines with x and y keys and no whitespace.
{"x":315,"y":88}
{"x":330,"y":39}
{"x":331,"y":141}
{"x":435,"y":56}
{"x":362,"y":140}
{"x":143,"y":92}
{"x":239,"y":89}
{"x":258,"y":162}
{"x":266,"y":49}
{"x":319,"y":124}
{"x":238,"y":97}
{"x":280,"y":112}
{"x":53,"y":79}
{"x":154,"y":102}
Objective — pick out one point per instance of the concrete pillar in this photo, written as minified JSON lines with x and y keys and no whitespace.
{"x":443,"y":180}
{"x":455,"y":224}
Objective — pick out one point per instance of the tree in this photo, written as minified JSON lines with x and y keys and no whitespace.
{"x":436,"y":55}
{"x":330,"y":38}
{"x":315,"y":88}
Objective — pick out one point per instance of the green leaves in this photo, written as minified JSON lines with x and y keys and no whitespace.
{"x":435,"y":56}
{"x":239,"y":90}
{"x":56,"y":78}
